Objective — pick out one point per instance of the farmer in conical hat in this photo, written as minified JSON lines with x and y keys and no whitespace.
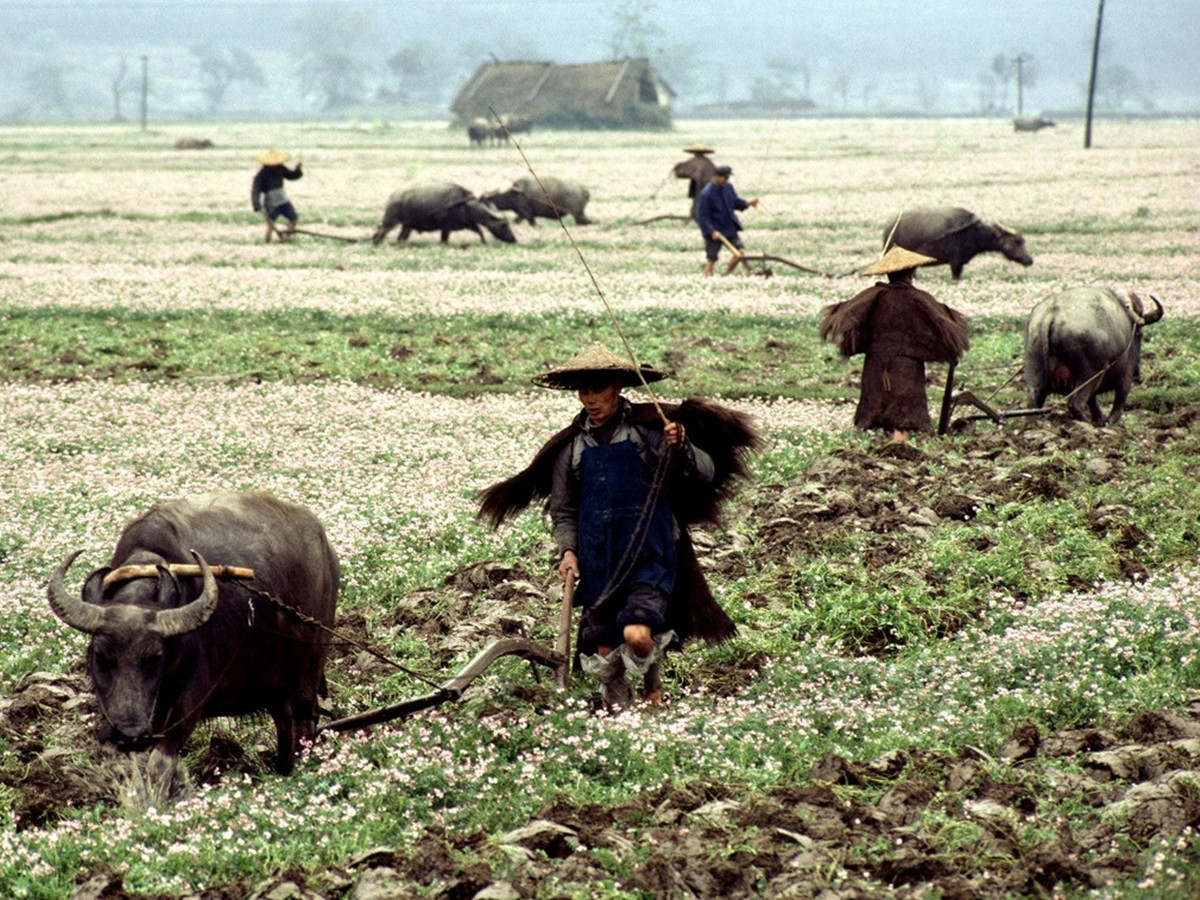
{"x":900,"y":328}
{"x":267,"y":194}
{"x":623,"y":483}
{"x":697,"y":169}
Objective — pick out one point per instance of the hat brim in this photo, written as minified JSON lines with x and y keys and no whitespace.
{"x":898,"y":259}
{"x":273,"y":157}
{"x":577,"y":379}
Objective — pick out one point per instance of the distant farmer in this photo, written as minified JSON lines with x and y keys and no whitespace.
{"x":267,"y":194}
{"x":716,"y":211}
{"x":623,"y":486}
{"x":697,"y":169}
{"x":899,"y":327}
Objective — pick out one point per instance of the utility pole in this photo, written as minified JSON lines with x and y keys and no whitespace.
{"x":146,"y":87}
{"x":1087,"y":132}
{"x":1020,"y":59}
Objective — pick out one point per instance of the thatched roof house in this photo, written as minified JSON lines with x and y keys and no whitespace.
{"x":625,"y":93}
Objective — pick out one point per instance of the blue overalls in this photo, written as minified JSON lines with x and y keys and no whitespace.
{"x":614,"y":487}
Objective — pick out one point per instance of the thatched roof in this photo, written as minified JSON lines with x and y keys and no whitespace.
{"x":624,"y":93}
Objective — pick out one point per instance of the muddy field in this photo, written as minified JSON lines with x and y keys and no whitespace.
{"x":847,"y":829}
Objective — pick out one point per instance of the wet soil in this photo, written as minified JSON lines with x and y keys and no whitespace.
{"x":955,"y":825}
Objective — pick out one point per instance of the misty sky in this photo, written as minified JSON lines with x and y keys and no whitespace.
{"x":889,"y":52}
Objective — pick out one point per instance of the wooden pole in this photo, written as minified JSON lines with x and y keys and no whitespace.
{"x":145,"y":89}
{"x":563,"y":646}
{"x":1087,"y":132}
{"x":732,"y":249}
{"x":947,"y":402}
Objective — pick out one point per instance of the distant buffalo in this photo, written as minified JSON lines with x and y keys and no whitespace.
{"x":548,"y":198}
{"x":953,"y":236}
{"x":442,"y":207}
{"x":193,"y":143}
{"x":1083,"y":342}
{"x":1031,"y":123}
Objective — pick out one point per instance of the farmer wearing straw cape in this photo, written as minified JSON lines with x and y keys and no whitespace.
{"x":900,"y":328}
{"x":267,"y":194}
{"x":697,"y":169}
{"x":716,"y":213}
{"x":623,"y":483}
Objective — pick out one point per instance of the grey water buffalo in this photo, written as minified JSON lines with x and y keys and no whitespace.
{"x":953,"y":236}
{"x":440,"y":206}
{"x":1031,"y":123}
{"x":172,"y":646}
{"x":1083,"y":342}
{"x":530,"y":199}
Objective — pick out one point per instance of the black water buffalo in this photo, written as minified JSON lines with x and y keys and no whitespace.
{"x":170,"y":648}
{"x":440,"y":206}
{"x":1083,"y":342}
{"x":528,"y":199}
{"x":953,"y":235}
{"x":1031,"y":123}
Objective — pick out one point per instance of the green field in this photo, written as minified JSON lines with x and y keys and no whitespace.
{"x":965,"y":667}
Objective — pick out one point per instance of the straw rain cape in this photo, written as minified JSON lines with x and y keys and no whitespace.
{"x":726,"y":435}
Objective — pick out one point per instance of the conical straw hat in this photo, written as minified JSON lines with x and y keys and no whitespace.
{"x":897,"y":260}
{"x":699,"y":147}
{"x":273,"y":157}
{"x":596,"y":364}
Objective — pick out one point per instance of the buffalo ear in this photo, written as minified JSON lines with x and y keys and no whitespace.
{"x":93,"y":585}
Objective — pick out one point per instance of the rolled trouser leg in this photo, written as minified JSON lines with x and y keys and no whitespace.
{"x":610,"y":672}
{"x":648,"y":666}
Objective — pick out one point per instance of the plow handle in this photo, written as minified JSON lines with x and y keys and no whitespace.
{"x":564,"y":631}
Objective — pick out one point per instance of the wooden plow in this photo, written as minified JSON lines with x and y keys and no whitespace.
{"x":496,"y":649}
{"x":951,"y":400}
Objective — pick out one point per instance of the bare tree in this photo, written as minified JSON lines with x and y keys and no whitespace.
{"x":1002,"y":71}
{"x":785,"y":78}
{"x":839,"y":85}
{"x":928,"y":92}
{"x":220,"y":67}
{"x":635,"y":32}
{"x":119,"y":87}
{"x":45,"y":83}
{"x":986,"y":84}
{"x":333,"y":44}
{"x":1118,"y":87}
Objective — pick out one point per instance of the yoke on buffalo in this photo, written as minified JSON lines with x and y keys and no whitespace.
{"x":169,"y":649}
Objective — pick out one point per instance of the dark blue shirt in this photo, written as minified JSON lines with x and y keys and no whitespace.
{"x":715,"y":210}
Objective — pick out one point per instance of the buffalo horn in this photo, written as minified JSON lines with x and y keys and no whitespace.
{"x":85,"y":617}
{"x":1135,"y":307}
{"x":190,"y":617}
{"x":1156,"y":315}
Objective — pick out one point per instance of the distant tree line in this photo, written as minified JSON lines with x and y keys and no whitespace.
{"x":336,"y":63}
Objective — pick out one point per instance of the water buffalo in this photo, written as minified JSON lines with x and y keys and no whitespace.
{"x":440,"y":206}
{"x":479,"y":132}
{"x":170,"y":648}
{"x":953,"y":235}
{"x":1083,"y":342}
{"x":1031,"y":123}
{"x":528,"y":199}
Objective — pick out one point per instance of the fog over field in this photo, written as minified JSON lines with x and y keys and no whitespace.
{"x":82,"y":60}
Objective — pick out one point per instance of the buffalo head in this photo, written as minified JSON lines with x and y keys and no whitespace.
{"x":130,"y":630}
{"x":1012,"y":245}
